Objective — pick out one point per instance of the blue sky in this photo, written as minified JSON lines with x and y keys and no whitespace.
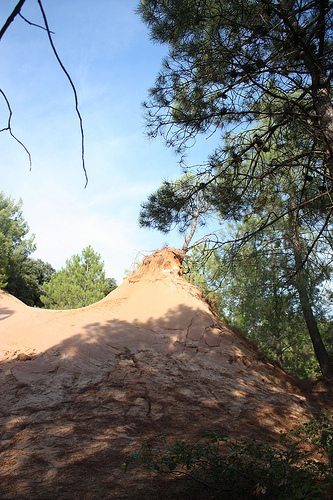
{"x":106,"y":49}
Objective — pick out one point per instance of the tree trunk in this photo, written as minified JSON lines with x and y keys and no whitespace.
{"x":324,"y":108}
{"x":301,"y":284}
{"x":278,"y":352}
{"x":277,"y":323}
{"x":192,"y":231}
{"x":320,"y":75}
{"x":85,"y":285}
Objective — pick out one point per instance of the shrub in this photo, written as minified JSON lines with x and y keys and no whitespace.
{"x":227,"y":468}
{"x":319,"y":431}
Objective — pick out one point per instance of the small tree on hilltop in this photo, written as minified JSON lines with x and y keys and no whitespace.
{"x":180,"y":203}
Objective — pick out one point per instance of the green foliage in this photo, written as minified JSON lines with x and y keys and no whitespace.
{"x":134,"y":267}
{"x":180,"y":203}
{"x":14,"y":246}
{"x":82,"y":282}
{"x":326,"y":326}
{"x":226,"y":468}
{"x":272,"y":283}
{"x":162,"y":209}
{"x":27,"y":282}
{"x":227,"y":58}
{"x":204,"y":268}
{"x":319,"y":431}
{"x":112,"y":284}
{"x":247,"y":287}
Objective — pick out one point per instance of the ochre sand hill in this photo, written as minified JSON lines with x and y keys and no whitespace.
{"x":81,"y":389}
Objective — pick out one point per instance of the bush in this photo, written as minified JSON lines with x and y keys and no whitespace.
{"x":226,"y":468}
{"x":319,"y":431}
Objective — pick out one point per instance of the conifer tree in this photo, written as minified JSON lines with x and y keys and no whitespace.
{"x":80,"y":283}
{"x":15,"y":247}
{"x":248,"y":73}
{"x":275,"y":213}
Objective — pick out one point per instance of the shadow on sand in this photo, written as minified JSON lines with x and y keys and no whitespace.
{"x":70,"y":416}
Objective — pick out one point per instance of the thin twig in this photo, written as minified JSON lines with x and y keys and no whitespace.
{"x":9,"y":128}
{"x":72,"y":85}
{"x":33,"y":24}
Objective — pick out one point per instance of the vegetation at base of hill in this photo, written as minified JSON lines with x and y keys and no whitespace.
{"x":249,"y":292}
{"x":80,"y":283}
{"x":219,"y":467}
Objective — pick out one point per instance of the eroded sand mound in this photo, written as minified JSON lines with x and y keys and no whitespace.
{"x":80,"y":389}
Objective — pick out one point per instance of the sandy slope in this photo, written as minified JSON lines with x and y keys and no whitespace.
{"x":79,"y":389}
{"x":151,"y":297}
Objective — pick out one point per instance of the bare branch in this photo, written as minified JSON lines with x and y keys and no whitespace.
{"x":72,"y":85}
{"x":33,"y":24}
{"x":10,"y":129}
{"x":11,"y":18}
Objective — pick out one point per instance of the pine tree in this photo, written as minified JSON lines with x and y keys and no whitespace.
{"x":248,"y":290}
{"x":80,"y":283}
{"x":14,"y":246}
{"x":247,"y":72}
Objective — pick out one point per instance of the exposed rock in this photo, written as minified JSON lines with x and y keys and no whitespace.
{"x":81,"y":389}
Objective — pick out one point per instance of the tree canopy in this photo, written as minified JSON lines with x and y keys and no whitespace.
{"x":80,"y":283}
{"x":26,"y":283}
{"x":179,"y":203}
{"x":14,"y":246}
{"x":248,"y":290}
{"x":250,"y":72}
{"x":288,"y":255}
